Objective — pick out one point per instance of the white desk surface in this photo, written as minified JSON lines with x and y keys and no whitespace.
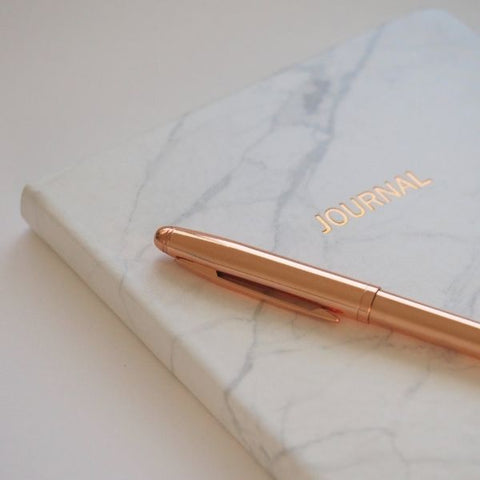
{"x":80,"y":396}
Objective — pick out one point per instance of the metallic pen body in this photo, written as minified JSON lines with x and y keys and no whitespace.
{"x":427,"y":323}
{"x":312,"y":291}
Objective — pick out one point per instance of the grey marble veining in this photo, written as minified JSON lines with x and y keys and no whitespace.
{"x":307,"y":399}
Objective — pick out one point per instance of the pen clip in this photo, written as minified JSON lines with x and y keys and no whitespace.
{"x":270,"y":294}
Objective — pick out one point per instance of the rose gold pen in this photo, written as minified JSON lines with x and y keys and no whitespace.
{"x":311,"y":291}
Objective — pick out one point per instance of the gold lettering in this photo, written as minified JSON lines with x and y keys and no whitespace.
{"x":403,"y":184}
{"x":328,"y":216}
{"x":383,"y":192}
{"x":420,"y":183}
{"x":359,"y":214}
{"x":328,"y":228}
{"x":371,"y":200}
{"x":368,"y":198}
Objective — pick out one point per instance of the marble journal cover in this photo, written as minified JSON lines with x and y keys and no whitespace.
{"x":276,"y":166}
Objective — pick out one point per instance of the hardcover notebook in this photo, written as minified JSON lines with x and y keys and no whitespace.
{"x":277,"y":166}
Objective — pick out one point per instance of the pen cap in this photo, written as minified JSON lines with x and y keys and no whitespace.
{"x":342,"y":296}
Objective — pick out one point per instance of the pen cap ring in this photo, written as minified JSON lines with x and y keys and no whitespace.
{"x":365,"y":303}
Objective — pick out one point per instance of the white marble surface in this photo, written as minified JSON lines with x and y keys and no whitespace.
{"x":308,"y":399}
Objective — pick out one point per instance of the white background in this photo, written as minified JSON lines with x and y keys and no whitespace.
{"x":80,"y":396}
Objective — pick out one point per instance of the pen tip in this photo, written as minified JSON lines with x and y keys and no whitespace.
{"x":162,"y":237}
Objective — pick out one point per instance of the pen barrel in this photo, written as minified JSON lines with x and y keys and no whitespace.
{"x":427,"y":323}
{"x":336,"y":294}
